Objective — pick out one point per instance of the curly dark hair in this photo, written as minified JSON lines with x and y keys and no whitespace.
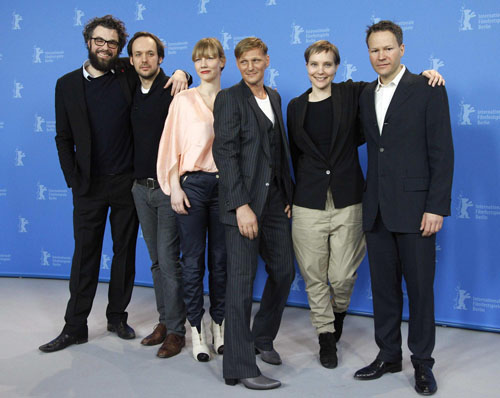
{"x":110,"y":22}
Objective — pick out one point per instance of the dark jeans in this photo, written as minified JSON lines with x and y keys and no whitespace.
{"x":89,"y":220}
{"x":159,"y":228}
{"x":203,"y":216}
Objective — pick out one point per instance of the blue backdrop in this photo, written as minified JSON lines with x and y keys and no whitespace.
{"x":41,"y":41}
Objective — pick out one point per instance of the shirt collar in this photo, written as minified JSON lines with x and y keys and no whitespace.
{"x":394,"y":81}
{"x":86,"y":74}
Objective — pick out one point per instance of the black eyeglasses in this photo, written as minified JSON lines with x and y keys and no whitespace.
{"x":99,"y":41}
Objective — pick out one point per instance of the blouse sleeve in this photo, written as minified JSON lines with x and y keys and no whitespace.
{"x":170,"y":148}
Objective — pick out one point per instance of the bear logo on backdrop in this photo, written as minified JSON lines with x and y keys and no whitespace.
{"x":273,"y":74}
{"x":435,"y":63}
{"x":105,"y":260}
{"x":40,"y":193}
{"x":21,"y":226}
{"x":296,"y":283}
{"x":77,"y":19}
{"x":349,"y":69}
{"x":297,"y":30}
{"x":44,"y":260}
{"x":465,"y":18}
{"x":16,"y":91}
{"x":16,"y":19}
{"x":460,"y":297}
{"x":18,"y":160}
{"x":465,"y":111}
{"x":202,"y":6}
{"x":39,"y":121}
{"x":270,"y":3}
{"x":139,"y":9}
{"x":225,"y":40}
{"x":463,"y":206}
{"x":37,"y":52}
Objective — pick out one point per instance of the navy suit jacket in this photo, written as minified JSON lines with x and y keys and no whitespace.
{"x":242,"y":151}
{"x":410,"y":166}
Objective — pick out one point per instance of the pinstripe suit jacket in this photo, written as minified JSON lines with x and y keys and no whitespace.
{"x":242,"y":151}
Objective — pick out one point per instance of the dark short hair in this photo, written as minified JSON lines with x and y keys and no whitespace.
{"x":208,"y":46}
{"x":248,"y":44}
{"x":110,"y":22}
{"x":386,"y":26}
{"x":322,"y":46}
{"x":160,"y":47}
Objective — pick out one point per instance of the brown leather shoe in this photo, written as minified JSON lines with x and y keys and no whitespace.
{"x":157,"y":337}
{"x":171,"y":346}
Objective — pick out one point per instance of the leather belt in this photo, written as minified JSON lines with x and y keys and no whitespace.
{"x":150,"y":183}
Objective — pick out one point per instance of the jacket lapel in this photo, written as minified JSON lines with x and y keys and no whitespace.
{"x":261,"y":119}
{"x":277,"y":112}
{"x":401,"y":94}
{"x":79,"y":93}
{"x":337,"y":111}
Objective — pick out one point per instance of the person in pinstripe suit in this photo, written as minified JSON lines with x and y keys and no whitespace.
{"x":255,"y":193}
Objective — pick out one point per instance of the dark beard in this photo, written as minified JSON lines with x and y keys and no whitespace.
{"x":100,"y":64}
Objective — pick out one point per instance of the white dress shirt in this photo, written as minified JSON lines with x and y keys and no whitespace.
{"x":383,"y":97}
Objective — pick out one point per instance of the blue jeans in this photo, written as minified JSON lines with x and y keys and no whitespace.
{"x":159,"y":228}
{"x":202,"y":191}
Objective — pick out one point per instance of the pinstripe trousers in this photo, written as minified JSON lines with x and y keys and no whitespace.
{"x":274,"y":244}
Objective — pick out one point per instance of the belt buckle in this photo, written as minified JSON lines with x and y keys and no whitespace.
{"x":150,"y":183}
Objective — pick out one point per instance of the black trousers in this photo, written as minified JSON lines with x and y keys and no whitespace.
{"x":393,"y":256}
{"x":274,"y":244}
{"x":89,"y":220}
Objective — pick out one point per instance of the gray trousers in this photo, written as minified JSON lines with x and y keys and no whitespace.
{"x":159,"y":228}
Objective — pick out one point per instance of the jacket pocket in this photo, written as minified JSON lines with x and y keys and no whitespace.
{"x":416,"y":184}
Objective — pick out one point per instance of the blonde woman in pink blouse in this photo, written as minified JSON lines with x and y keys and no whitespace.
{"x":187,"y":172}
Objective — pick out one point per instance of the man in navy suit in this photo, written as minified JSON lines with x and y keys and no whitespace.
{"x":406,"y":124}
{"x":94,"y":144}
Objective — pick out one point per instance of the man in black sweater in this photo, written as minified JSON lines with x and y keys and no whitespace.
{"x":94,"y":144}
{"x":149,"y":111}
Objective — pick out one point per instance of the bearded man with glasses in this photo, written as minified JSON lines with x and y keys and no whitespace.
{"x":94,"y":144}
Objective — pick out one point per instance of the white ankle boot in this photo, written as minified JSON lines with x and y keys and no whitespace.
{"x":201,"y":351}
{"x":217,"y":336}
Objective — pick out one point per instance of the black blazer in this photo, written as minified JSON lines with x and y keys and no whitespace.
{"x":410,"y":166}
{"x":241,"y":150}
{"x":341,"y":171}
{"x":73,"y":136}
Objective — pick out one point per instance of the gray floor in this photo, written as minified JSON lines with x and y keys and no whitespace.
{"x":467,"y":362}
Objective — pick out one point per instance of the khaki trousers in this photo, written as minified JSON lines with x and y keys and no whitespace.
{"x":329,"y":246}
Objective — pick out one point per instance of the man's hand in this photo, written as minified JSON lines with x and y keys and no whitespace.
{"x":247,"y":222}
{"x":178,"y":81}
{"x":178,"y":199}
{"x":431,"y":223}
{"x":288,"y":211}
{"x":434,"y":77}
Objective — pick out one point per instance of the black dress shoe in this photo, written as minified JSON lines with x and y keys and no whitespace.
{"x":378,"y":368}
{"x":61,"y":342}
{"x":327,"y":350}
{"x":425,"y":383}
{"x":123,"y":330}
{"x":338,"y":324}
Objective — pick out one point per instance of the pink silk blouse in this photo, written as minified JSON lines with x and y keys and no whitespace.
{"x":188,"y":135}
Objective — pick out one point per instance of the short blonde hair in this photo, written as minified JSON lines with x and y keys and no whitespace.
{"x":208,"y":46}
{"x":320,"y":46}
{"x":248,"y":44}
